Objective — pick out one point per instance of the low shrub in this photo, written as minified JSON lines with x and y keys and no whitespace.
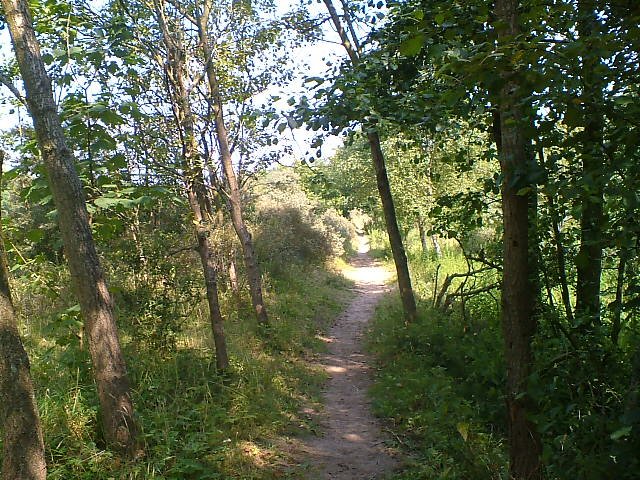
{"x":292,"y":228}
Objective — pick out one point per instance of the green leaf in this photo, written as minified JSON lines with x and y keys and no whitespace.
{"x":463,"y":430}
{"x":35,"y":235}
{"x":412,"y":46}
{"x":106,"y":202}
{"x":621,"y":432}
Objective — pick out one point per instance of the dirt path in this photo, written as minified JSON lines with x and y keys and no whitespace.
{"x":351,"y":443}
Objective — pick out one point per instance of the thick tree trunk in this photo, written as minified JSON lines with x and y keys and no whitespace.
{"x":589,"y":260}
{"x":194,"y":179}
{"x":518,"y":287}
{"x":23,"y":446}
{"x":382,"y":180}
{"x":100,"y":327}
{"x":254,"y":276}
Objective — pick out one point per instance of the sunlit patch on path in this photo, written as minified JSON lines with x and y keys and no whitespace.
{"x":350,"y":444}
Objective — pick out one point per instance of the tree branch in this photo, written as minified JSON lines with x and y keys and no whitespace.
{"x":12,"y":88}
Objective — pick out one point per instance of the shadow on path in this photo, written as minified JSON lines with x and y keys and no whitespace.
{"x":351,"y":445}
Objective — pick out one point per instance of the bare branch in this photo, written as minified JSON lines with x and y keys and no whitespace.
{"x":12,"y":88}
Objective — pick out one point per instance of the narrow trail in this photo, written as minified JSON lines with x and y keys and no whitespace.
{"x":351,"y":443}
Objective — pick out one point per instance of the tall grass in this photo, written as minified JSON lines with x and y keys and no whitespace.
{"x":439,"y":379}
{"x":195,"y":423}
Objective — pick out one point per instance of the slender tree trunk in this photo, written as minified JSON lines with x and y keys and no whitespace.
{"x":23,"y":445}
{"x":233,"y":281}
{"x":136,"y":236}
{"x":518,"y":287}
{"x":384,"y":190}
{"x":589,"y":260}
{"x":235,"y":201}
{"x":436,"y":245}
{"x":562,"y":262}
{"x":616,"y":323}
{"x":430,"y":193}
{"x":194,"y":179}
{"x":391,"y":222}
{"x":423,"y":234}
{"x":632,"y":402}
{"x":211,"y":284}
{"x":109,"y":367}
{"x":559,"y":244}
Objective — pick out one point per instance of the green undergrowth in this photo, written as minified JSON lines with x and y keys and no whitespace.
{"x":440,"y":383}
{"x":195,"y":423}
{"x":439,"y":380}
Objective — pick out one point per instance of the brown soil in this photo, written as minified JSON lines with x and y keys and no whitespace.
{"x":351,"y":444}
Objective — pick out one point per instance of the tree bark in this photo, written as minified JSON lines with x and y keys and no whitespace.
{"x":423,"y":234}
{"x":95,"y":301}
{"x":254,"y":276}
{"x":391,"y":222}
{"x":384,"y":190}
{"x":518,"y":287}
{"x":193,"y":178}
{"x":23,"y":445}
{"x":589,"y":260}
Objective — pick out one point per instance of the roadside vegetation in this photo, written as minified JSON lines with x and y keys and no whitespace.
{"x":195,"y":421}
{"x":163,"y":275}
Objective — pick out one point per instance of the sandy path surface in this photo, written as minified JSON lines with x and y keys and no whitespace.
{"x":351,"y":443}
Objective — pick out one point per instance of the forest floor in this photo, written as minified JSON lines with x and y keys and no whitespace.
{"x":351,"y":442}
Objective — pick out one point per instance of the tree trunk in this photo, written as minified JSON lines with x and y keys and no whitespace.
{"x":518,"y":295}
{"x":589,"y":259}
{"x":616,"y":323}
{"x":436,"y":245}
{"x":382,"y":180}
{"x":391,"y":222}
{"x":109,"y":367}
{"x":562,"y":263}
{"x":233,"y":281}
{"x":211,"y":284}
{"x":430,"y":193}
{"x":194,"y":179}
{"x":559,"y":244}
{"x":423,"y":235}
{"x":23,"y":445}
{"x":254,"y":276}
